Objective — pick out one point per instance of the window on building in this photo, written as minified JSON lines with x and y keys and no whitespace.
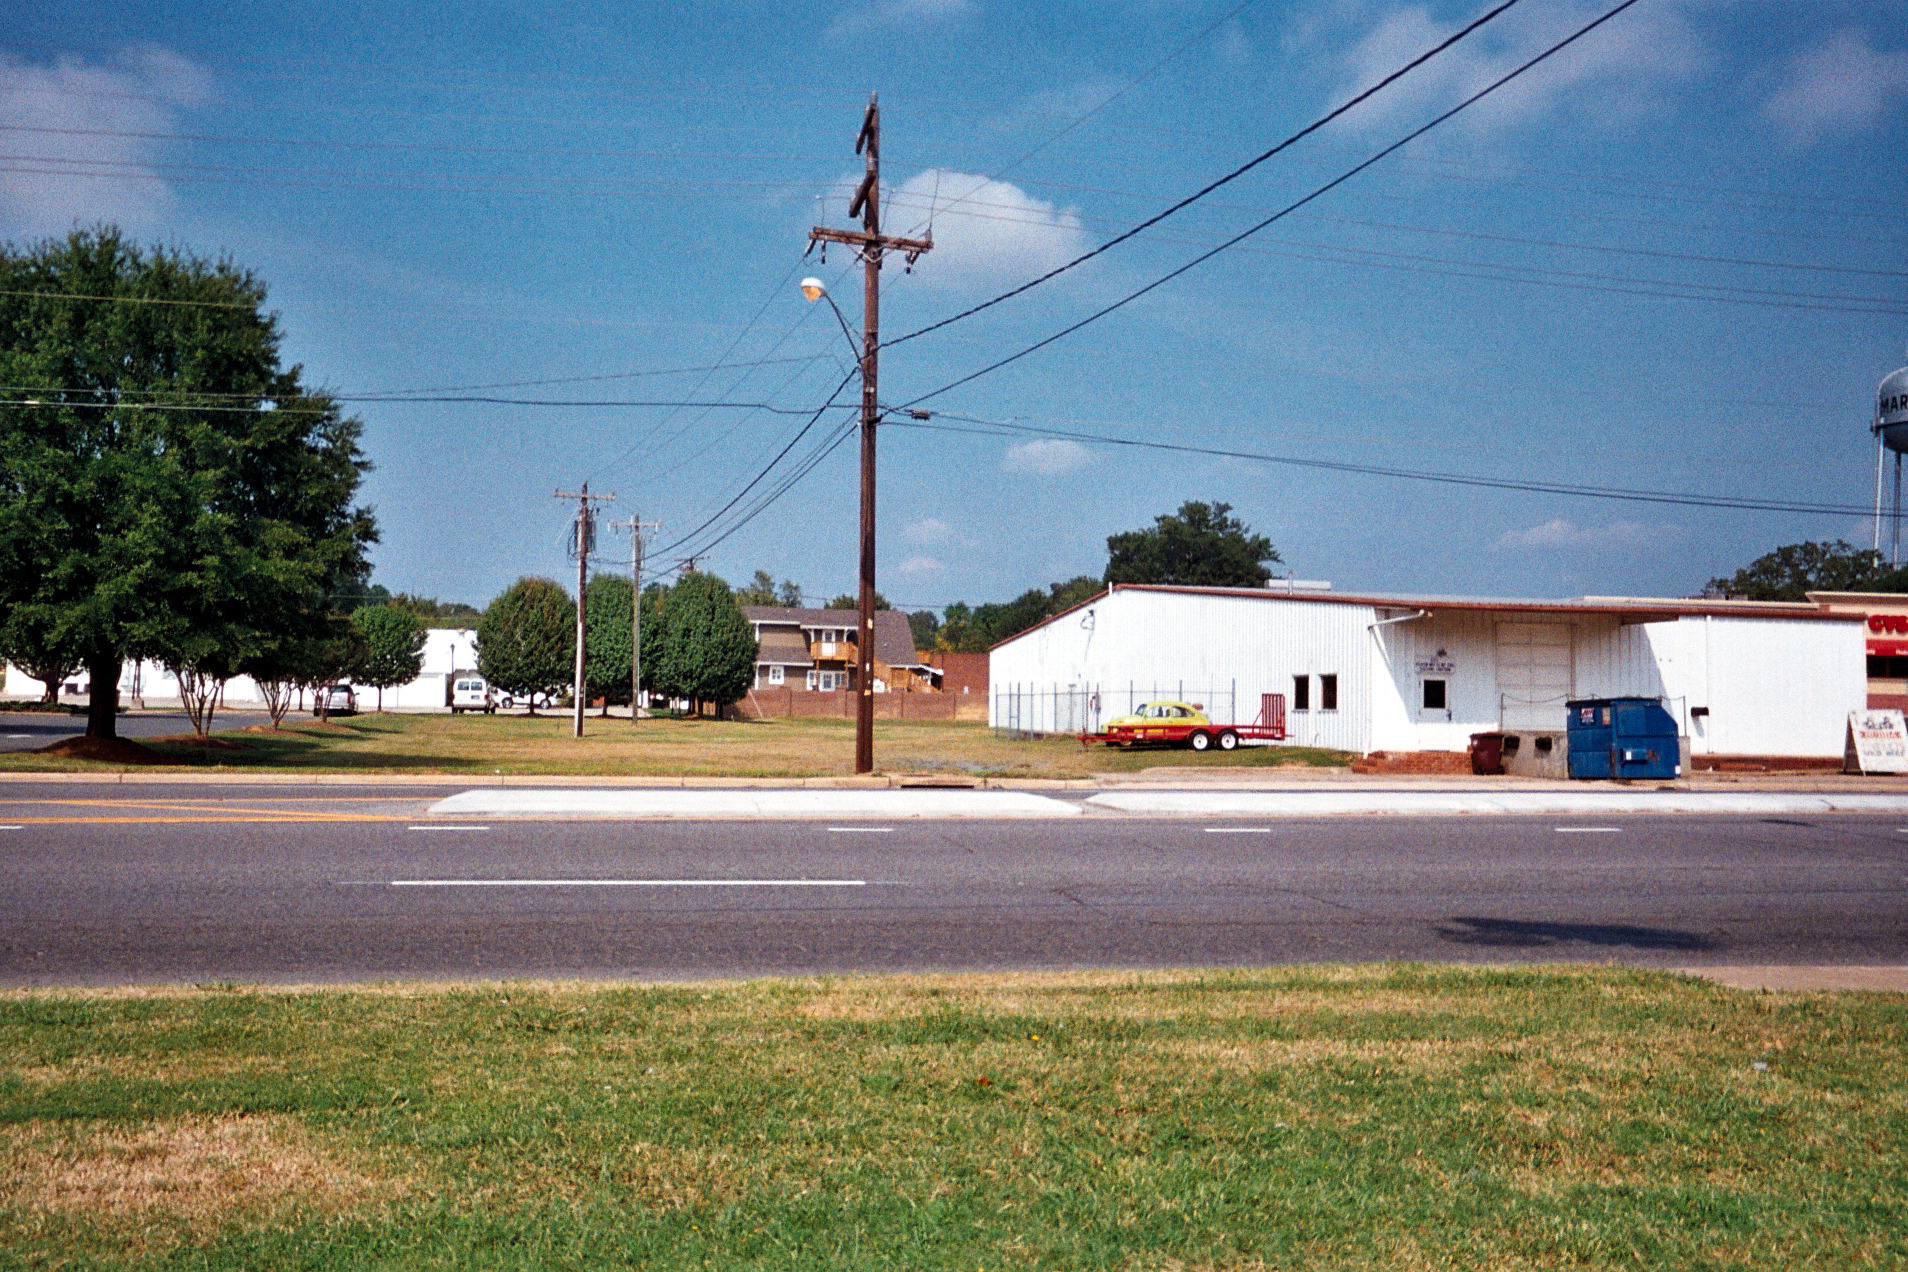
{"x":777,"y":674}
{"x":1880,"y":668}
{"x":1301,"y":693}
{"x":811,"y":679}
{"x":1434,"y":695}
{"x":1328,"y":693}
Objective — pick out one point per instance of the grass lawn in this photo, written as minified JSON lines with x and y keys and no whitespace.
{"x":1392,"y":1117}
{"x":732,"y":748}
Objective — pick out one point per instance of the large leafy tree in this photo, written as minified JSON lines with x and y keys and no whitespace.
{"x":709,"y":645}
{"x":526,"y":640}
{"x":607,"y":648}
{"x":30,"y":640}
{"x":167,"y":488}
{"x":393,"y":650}
{"x":655,"y":640}
{"x":1201,"y":545}
{"x":1794,"y":570}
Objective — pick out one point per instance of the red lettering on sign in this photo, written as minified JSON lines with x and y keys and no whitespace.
{"x":1874,"y":622}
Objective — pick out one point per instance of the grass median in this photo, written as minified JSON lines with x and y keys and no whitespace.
{"x":664,"y":747}
{"x":1391,"y":1117}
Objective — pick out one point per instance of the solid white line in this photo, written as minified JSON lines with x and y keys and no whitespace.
{"x":1589,"y":830}
{"x":629,"y":883}
{"x":861,"y":830}
{"x":12,"y":827}
{"x":1238,"y":830}
{"x":450,"y":828}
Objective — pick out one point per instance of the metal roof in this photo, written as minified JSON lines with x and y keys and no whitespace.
{"x":1634,"y":608}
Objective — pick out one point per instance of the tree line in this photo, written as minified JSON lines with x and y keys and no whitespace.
{"x":697,"y":645}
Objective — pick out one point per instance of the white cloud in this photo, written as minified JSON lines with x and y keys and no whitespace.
{"x":1048,"y":457}
{"x":863,"y":17}
{"x":1841,"y":85}
{"x":986,"y":233}
{"x":81,"y":173}
{"x":1559,"y":535}
{"x":918,"y":566}
{"x":1621,"y":67}
{"x":929,"y":530}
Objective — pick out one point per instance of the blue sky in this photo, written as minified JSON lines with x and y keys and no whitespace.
{"x":478,"y":194}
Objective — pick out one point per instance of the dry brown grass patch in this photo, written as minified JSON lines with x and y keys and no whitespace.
{"x":197,"y":1172}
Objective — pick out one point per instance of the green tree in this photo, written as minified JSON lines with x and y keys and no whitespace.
{"x":925,"y":626}
{"x":1794,"y":570}
{"x":848,"y":602}
{"x":393,"y":647}
{"x":1201,"y":545}
{"x":607,"y":647}
{"x":167,"y":489}
{"x":655,"y":640}
{"x":27,"y":640}
{"x":526,"y":640}
{"x":709,"y":648}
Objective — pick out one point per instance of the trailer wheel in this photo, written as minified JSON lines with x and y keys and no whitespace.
{"x":1228,"y":741}
{"x":1200,"y":740}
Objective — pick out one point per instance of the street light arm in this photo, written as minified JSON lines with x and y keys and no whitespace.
{"x":846,"y":331}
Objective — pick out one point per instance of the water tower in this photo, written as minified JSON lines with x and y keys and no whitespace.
{"x":1891,"y":430}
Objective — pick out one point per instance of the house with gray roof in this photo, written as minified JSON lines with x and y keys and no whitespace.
{"x":816,"y":649}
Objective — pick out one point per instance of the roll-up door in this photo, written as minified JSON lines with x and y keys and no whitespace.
{"x":1534,"y":666}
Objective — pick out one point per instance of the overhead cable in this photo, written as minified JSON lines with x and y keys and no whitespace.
{"x":1287,"y":210}
{"x":981,"y":426}
{"x":1234,"y":175}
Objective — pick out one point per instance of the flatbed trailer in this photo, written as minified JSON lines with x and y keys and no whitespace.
{"x":1269,"y":726}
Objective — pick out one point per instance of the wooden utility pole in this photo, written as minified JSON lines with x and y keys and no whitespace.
{"x":635,"y":525}
{"x":583,"y":541}
{"x":871,"y":245}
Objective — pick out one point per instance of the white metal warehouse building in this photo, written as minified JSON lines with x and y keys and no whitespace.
{"x":1396,"y":673}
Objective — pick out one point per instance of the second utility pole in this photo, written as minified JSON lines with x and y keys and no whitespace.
{"x":871,"y":245}
{"x":585,"y":542}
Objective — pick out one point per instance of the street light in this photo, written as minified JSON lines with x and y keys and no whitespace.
{"x":815,"y":290}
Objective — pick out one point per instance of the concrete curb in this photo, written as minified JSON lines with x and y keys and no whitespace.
{"x":1420,"y":803}
{"x":759,"y":804}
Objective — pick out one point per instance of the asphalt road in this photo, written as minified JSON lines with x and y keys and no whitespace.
{"x":195,"y":884}
{"x":29,"y":730}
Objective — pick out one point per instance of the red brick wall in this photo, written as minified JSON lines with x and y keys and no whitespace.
{"x":840,"y":704}
{"x":961,"y":673}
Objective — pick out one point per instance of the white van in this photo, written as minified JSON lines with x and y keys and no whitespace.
{"x":470,"y":692}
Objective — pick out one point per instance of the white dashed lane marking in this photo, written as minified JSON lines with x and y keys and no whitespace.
{"x":861,"y":830}
{"x":450,"y":828}
{"x":629,"y":883}
{"x":1589,"y":830}
{"x":1238,"y":830}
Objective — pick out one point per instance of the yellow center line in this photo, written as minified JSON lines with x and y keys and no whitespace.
{"x":268,"y":819}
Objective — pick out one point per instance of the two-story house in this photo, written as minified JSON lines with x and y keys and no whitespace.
{"x":816,"y":649}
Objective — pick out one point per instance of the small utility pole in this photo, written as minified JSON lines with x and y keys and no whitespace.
{"x":635,"y":525}
{"x":870,"y":244}
{"x":583,"y":541}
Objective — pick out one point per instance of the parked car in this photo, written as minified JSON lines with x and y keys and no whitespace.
{"x":540,"y":700}
{"x":471,"y":692}
{"x":334,"y":700}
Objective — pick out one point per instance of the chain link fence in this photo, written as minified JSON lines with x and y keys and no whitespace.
{"x":1031,"y":711}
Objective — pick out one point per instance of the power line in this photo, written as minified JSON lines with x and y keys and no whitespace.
{"x":1289,"y":208}
{"x":1541,"y":276}
{"x":1234,"y":175}
{"x":1007,"y":428}
{"x":768,"y":467}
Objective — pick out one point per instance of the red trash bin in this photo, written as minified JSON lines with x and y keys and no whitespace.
{"x":1487,"y":753}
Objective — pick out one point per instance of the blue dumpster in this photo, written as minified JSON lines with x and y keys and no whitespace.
{"x":1623,"y":737}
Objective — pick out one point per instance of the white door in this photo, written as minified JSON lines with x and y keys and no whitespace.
{"x":1534,"y":680}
